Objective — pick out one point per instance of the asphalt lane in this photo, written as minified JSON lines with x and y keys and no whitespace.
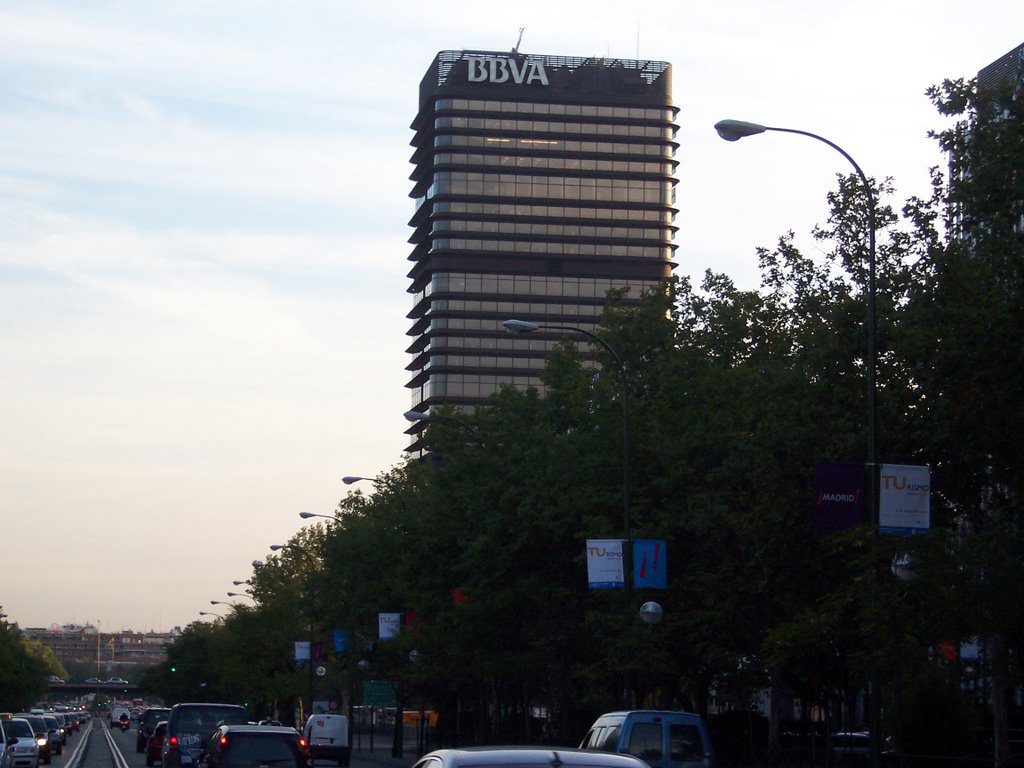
{"x":98,"y":745}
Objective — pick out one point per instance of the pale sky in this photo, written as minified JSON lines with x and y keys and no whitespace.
{"x":203,"y":242}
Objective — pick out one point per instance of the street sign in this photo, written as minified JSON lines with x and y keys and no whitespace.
{"x":378,"y":693}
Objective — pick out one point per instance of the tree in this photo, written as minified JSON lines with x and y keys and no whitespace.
{"x":962,"y":332}
{"x":23,"y":670}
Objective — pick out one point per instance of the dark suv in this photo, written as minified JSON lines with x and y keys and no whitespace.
{"x":189,"y":727}
{"x":255,"y":746}
{"x":147,"y":722}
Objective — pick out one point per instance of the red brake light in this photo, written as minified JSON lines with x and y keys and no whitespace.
{"x":302,"y":742}
{"x":223,"y":740}
{"x":173,"y":741}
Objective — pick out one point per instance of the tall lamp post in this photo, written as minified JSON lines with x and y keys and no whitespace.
{"x":733,"y":130}
{"x":312,"y":631}
{"x":396,"y":736}
{"x":524,"y":326}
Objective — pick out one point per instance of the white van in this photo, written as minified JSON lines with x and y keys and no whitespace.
{"x":661,"y":739}
{"x":327,"y":737}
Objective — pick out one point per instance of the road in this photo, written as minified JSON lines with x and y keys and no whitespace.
{"x":99,"y":746}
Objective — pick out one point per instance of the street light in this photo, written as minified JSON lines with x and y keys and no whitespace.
{"x":524,"y":326}
{"x":211,"y":613}
{"x":733,"y":130}
{"x":221,"y":602}
{"x":240,"y":582}
{"x":349,"y":479}
{"x":241,"y":594}
{"x":415,"y":416}
{"x":307,"y":515}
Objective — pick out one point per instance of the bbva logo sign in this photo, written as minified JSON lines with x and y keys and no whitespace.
{"x":499,"y":69}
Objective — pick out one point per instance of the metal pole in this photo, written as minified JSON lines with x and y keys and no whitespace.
{"x":627,"y":535}
{"x":874,"y":693}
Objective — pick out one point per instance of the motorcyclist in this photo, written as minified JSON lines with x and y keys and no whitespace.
{"x":124,"y":720}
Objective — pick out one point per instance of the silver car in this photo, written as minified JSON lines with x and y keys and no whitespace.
{"x":526,"y":757}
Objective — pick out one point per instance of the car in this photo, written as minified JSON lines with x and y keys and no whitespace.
{"x":849,"y":749}
{"x":94,"y":680}
{"x":526,"y":757}
{"x":65,"y":725}
{"x":55,"y":734}
{"x":147,"y":722}
{"x":155,"y":743}
{"x":21,"y":740}
{"x":241,"y":746}
{"x":327,"y":737}
{"x":189,"y":726}
{"x":661,"y":738}
{"x":42,"y":736}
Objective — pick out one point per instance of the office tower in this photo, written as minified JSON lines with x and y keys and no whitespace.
{"x":540,"y":183}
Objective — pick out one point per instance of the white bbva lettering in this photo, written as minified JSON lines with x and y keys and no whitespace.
{"x":500,"y":70}
{"x":477,"y":72}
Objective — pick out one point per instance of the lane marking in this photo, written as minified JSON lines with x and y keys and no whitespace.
{"x":115,"y":751}
{"x":79,"y":750}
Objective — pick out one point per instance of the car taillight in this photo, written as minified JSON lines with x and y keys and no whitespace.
{"x":302,"y":742}
{"x":172,"y":742}
{"x":223,"y":740}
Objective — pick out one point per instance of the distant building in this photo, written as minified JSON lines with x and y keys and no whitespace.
{"x":71,"y":642}
{"x":1007,"y":70}
{"x":541,"y":183}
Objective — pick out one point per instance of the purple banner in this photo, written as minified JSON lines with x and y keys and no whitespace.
{"x":838,"y":496}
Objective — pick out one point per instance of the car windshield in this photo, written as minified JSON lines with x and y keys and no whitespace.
{"x":206,"y":719}
{"x":19,"y":728}
{"x":251,"y":751}
{"x":37,"y":724}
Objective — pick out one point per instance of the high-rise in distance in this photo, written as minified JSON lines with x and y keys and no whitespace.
{"x":540,"y":184}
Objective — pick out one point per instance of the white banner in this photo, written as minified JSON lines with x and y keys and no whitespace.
{"x":388,"y":625}
{"x":604,"y":564}
{"x":904,"y":499}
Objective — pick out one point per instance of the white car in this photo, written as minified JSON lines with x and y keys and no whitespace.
{"x":24,"y":751}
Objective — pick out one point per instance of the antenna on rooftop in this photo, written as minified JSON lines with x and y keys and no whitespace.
{"x":515,"y":48}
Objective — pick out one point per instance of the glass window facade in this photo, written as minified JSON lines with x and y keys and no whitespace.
{"x":532,"y":200}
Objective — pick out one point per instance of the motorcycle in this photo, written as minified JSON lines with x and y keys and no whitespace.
{"x":124,"y":722}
